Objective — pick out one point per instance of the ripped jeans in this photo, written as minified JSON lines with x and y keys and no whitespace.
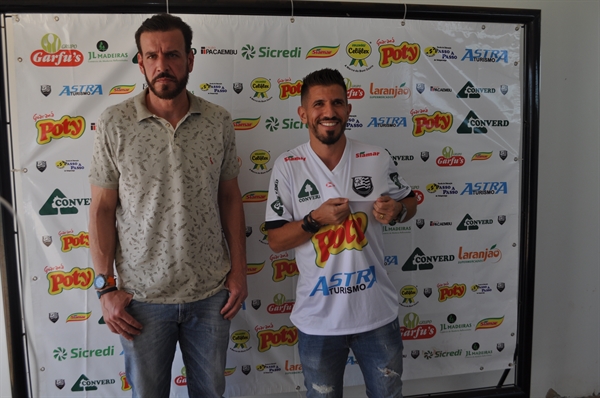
{"x":379,"y":355}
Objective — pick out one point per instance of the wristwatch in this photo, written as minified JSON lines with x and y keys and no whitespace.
{"x":103,"y":281}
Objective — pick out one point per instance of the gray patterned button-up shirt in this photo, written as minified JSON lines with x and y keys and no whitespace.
{"x":170,"y":246}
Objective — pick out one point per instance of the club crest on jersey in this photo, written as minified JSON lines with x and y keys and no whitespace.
{"x":396,"y":178}
{"x":277,"y":206}
{"x":362,"y":185}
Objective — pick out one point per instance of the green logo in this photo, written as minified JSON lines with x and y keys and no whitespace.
{"x":59,"y":202}
{"x":277,"y":207}
{"x":411,"y":320}
{"x":272,"y":124}
{"x":60,"y":354}
{"x":417,"y":259}
{"x":83,"y":384}
{"x":279,"y":299}
{"x":468,"y":126}
{"x":465,"y":225}
{"x":308,"y":191}
{"x":447,"y":152}
{"x":468,"y":91}
{"x":248,"y":51}
{"x":51,"y":43}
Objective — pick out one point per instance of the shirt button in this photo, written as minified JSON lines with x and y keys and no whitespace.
{"x":168,"y":124}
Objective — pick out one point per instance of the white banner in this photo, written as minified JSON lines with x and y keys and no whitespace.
{"x":443,"y":98}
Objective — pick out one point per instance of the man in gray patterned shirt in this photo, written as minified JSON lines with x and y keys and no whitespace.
{"x":167,"y":211}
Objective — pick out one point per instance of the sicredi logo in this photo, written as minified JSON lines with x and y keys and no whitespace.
{"x":60,"y":354}
{"x":248,"y":52}
{"x":59,"y":203}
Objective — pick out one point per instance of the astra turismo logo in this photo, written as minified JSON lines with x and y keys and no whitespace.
{"x":248,"y":51}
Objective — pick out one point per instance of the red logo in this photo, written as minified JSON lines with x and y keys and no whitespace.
{"x":356,"y":93}
{"x":418,"y":333}
{"x":274,"y":338}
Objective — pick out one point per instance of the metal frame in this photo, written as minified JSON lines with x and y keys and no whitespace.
{"x":529,"y":19}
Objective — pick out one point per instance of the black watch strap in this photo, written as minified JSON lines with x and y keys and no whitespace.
{"x":110,"y":289}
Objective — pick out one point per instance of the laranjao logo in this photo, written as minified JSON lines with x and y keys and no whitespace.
{"x":58,"y":202}
{"x":77,"y":278}
{"x":449,"y":158}
{"x":288,"y":89}
{"x":406,"y":52}
{"x":322,"y":52}
{"x":286,"y":336}
{"x":447,"y":292}
{"x":67,"y":126}
{"x":479,"y":256}
{"x":54,"y":53}
{"x":401,"y":91}
{"x":424,"y":123}
{"x":415,"y":329}
{"x":334,"y":239}
{"x":359,"y":51}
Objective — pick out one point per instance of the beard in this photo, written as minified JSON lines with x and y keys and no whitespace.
{"x":162,"y":91}
{"x":331,"y":136}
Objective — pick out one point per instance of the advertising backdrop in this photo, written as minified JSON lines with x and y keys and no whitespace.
{"x":442,"y":98}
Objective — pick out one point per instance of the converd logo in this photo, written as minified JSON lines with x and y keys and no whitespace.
{"x":85,"y":384}
{"x":59,"y":203}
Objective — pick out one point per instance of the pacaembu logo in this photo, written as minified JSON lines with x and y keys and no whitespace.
{"x":334,"y":239}
{"x":67,"y":126}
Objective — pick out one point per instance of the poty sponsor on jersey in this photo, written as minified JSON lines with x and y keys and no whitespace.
{"x":56,"y":54}
{"x":288,"y":89}
{"x":390,"y":121}
{"x":485,"y":188}
{"x":322,"y":52}
{"x":358,"y":51}
{"x":334,"y":239}
{"x":485,"y":55}
{"x":391,"y":54}
{"x":66,"y":127}
{"x":424,"y":123}
{"x":419,"y":260}
{"x":284,"y":336}
{"x":81,"y":89}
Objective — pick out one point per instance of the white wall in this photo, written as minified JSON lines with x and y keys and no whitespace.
{"x":566,"y":342}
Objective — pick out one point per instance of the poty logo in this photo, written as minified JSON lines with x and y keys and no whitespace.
{"x":424,"y":123}
{"x":55,"y":54}
{"x":285,"y":336}
{"x":454,"y":291}
{"x":67,"y":126}
{"x":74,"y":241}
{"x":59,"y":202}
{"x":468,"y":224}
{"x":479,"y":256}
{"x":322,"y":52}
{"x":90,"y":89}
{"x":485,"y":188}
{"x":474,"y":125}
{"x":405,"y":52}
{"x":77,"y":278}
{"x":485,"y":55}
{"x":334,"y":239}
{"x":284,"y":268}
{"x":469,"y":91}
{"x":245,"y":124}
{"x":391,"y":121}
{"x":418,"y":260}
{"x":449,"y":159}
{"x":122,"y":89}
{"x":359,"y":51}
{"x":289,"y":89}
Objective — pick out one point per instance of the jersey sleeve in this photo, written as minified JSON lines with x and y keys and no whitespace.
{"x":398,"y":188}
{"x":104,"y":171}
{"x":279,"y":201}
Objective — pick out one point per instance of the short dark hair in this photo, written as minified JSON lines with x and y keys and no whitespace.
{"x":323,"y":77}
{"x":165,"y":23}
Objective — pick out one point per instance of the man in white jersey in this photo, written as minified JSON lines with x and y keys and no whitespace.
{"x":328,"y":200}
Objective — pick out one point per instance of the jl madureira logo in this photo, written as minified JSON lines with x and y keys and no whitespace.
{"x":359,"y":51}
{"x":260,"y":86}
{"x":55,"y":54}
{"x":103,"y":56}
{"x":58,"y":202}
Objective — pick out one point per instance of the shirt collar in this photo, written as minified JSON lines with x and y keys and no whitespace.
{"x":142,"y":111}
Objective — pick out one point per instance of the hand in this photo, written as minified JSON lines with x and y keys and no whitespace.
{"x":238,"y":291}
{"x":334,"y":211}
{"x":117,"y":319}
{"x":385,"y":209}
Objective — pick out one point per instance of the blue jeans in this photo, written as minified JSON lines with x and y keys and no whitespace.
{"x":379,"y":355}
{"x":203,"y":336}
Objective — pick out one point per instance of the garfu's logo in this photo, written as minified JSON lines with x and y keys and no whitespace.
{"x":391,"y":54}
{"x":288,"y":89}
{"x":280,"y":305}
{"x":334,"y":239}
{"x":260,"y":86}
{"x":77,"y":278}
{"x":353,"y":92}
{"x":243,"y":124}
{"x":284,"y":336}
{"x":322,"y":52}
{"x":415,"y":329}
{"x":449,"y":158}
{"x":66,"y":127}
{"x":424,"y":123}
{"x":359,"y":51}
{"x":55,"y":54}
{"x":455,"y":291}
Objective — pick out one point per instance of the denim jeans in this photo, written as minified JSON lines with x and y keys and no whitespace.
{"x":379,"y":355}
{"x":203,"y":336}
